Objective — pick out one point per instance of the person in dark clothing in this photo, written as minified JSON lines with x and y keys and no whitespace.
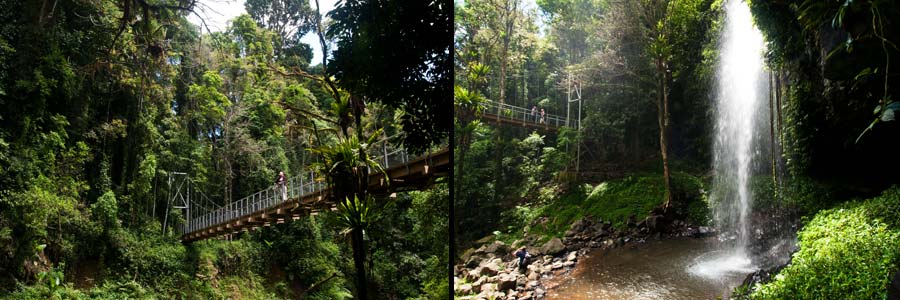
{"x":521,"y":254}
{"x":280,"y":181}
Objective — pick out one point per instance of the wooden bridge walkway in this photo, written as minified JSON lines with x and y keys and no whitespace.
{"x":520,"y":116}
{"x":306,"y":196}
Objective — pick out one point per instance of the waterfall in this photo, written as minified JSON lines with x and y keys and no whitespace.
{"x":741,"y":112}
{"x":741,"y":98}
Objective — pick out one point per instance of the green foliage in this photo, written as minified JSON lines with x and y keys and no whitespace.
{"x":110,"y":97}
{"x":613,"y":201}
{"x":410,"y":260}
{"x":105,"y":210}
{"x":42,"y":292}
{"x":306,"y":250}
{"x":847,"y":252}
{"x":147,"y":256}
{"x":229,"y":258}
{"x":828,"y":55}
{"x":407,"y":64}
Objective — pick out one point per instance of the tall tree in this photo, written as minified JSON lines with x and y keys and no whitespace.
{"x":395,"y":53}
{"x":653,"y":19}
{"x":290,"y":20}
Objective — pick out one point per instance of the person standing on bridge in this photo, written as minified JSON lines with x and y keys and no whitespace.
{"x":534,"y":113}
{"x":542,"y":116}
{"x":280,"y":185}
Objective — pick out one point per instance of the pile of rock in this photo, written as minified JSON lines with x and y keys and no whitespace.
{"x":498,"y":278}
{"x":490,"y":271}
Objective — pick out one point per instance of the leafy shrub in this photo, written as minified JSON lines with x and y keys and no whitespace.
{"x":49,"y":285}
{"x":847,"y":252}
{"x":105,"y":210}
{"x":148,"y":256}
{"x":114,"y":290}
{"x":229,"y":257}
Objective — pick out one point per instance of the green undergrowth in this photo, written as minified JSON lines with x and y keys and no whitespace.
{"x":613,"y":201}
{"x":847,"y":252}
{"x":249,"y":287}
{"x":145,"y":265}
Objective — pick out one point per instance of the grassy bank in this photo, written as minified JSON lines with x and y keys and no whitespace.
{"x":846,"y":252}
{"x":613,"y":201}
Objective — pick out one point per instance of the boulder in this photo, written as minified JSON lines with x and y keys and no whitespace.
{"x":525,"y":296}
{"x":572,"y":256}
{"x":553,"y":246}
{"x":473,"y":275}
{"x":493,"y":263}
{"x":600,"y":233}
{"x":473,"y":261}
{"x":534,"y":275}
{"x":485,"y":240}
{"x":580,"y":224}
{"x":497,"y":248}
{"x":506,"y":282}
{"x":490,"y":295}
{"x":577,"y":227}
{"x":630,"y":222}
{"x":467,"y":254}
{"x":464,"y":289}
{"x":488,"y":287}
{"x":654,"y":222}
{"x":488,"y":269}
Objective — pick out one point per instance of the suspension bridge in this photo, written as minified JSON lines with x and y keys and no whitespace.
{"x":520,"y":116}
{"x":302,"y":195}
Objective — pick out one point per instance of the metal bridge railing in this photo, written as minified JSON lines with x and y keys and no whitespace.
{"x":296,"y":187}
{"x":522,"y":114}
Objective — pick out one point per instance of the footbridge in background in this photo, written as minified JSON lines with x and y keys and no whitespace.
{"x":519,"y":116}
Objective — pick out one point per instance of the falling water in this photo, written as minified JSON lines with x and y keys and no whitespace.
{"x":741,"y":98}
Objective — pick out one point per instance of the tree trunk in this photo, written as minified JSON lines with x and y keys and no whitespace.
{"x":359,"y":259}
{"x":463,"y":147}
{"x":361,"y":192}
{"x":663,"y":111}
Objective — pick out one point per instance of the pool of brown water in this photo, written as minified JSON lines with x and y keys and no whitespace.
{"x":671,"y":269}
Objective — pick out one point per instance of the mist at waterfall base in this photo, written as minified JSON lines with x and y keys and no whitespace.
{"x":742,"y":150}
